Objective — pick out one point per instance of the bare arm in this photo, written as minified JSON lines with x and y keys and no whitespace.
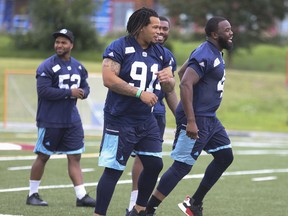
{"x":111,"y":79}
{"x":172,"y":101}
{"x":182,"y":69}
{"x":189,"y":79}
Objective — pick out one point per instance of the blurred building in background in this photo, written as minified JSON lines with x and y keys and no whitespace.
{"x":14,"y":15}
{"x":110,"y":15}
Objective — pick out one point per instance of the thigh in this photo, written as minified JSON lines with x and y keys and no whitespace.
{"x":48,"y":140}
{"x":72,"y":141}
{"x":161,"y":121}
{"x":185,"y":149}
{"x":60,"y":140}
{"x":219,"y":139}
{"x":150,"y":140}
{"x":116,"y":146}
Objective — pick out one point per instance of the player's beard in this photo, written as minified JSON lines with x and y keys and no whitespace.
{"x":225,"y":44}
{"x":62,"y":54}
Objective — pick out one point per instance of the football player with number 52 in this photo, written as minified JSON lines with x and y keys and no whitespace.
{"x":61,"y":80}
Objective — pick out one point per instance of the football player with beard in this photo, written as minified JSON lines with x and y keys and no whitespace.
{"x":61,"y":80}
{"x":198,"y":128}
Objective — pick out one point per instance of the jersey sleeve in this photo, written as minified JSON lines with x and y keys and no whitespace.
{"x":84,"y":84}
{"x":172,"y":60}
{"x":199,"y":61}
{"x":115,"y":51}
{"x":45,"y":89}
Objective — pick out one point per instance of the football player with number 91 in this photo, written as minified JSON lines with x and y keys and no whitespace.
{"x":134,"y":68}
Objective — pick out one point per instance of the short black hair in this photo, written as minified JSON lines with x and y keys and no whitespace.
{"x":139,"y":19}
{"x":212,"y":24}
{"x":162,"y":18}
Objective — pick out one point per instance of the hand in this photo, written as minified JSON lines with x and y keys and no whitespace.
{"x":164,"y":75}
{"x":77,"y":93}
{"x":166,"y":79}
{"x":192,"y":130}
{"x":148,"y":98}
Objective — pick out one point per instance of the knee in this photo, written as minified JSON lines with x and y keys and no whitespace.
{"x":74,"y":158}
{"x":180,"y":169}
{"x":112,"y":174}
{"x":157,"y":165}
{"x":225,"y":157}
{"x":42,"y":157}
{"x":154,"y":164}
{"x":229,"y":158}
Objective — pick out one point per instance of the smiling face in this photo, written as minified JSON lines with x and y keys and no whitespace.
{"x":225,"y":35}
{"x":164,"y":31}
{"x":149,"y":34}
{"x":63,"y":47}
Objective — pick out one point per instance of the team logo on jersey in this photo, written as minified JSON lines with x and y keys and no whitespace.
{"x":216,"y":62}
{"x":144,"y":54}
{"x":129,"y":50}
{"x":56,"y":68}
{"x":202,"y":64}
{"x":69,"y":68}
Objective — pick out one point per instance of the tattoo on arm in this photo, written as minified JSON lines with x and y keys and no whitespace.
{"x":113,"y":65}
{"x":119,"y":87}
{"x":125,"y":89}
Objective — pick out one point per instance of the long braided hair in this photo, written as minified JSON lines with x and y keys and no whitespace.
{"x":139,"y":19}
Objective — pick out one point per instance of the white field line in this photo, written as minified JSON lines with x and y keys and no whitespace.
{"x":266,"y":178}
{"x":96,"y":155}
{"x":236,"y":173}
{"x":9,"y":215}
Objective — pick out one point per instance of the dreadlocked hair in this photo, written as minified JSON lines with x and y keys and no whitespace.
{"x":139,"y":19}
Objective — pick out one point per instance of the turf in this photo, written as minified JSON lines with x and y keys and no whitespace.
{"x":237,"y":193}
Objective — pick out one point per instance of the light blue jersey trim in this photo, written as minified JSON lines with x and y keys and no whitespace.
{"x":108,"y":153}
{"x":219,"y":148}
{"x":155,"y":154}
{"x":79,"y":151}
{"x":39,"y":147}
{"x":183,"y":149}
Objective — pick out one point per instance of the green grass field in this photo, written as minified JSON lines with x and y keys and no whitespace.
{"x":255,"y":184}
{"x":254,"y":100}
{"x":255,"y":97}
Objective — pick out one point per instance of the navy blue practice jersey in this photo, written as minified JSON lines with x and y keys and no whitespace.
{"x":207,"y":61}
{"x":55,"y":79}
{"x":159,"y":107}
{"x":138,"y":67}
